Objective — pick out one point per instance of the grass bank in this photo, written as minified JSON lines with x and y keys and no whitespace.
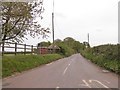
{"x":19,"y":63}
{"x":104,"y":58}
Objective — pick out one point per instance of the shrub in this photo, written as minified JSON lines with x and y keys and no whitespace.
{"x":105,"y":56}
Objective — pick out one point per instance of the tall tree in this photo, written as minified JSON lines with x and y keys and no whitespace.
{"x":18,"y":20}
{"x":57,"y":41}
{"x":69,"y":41}
{"x":44,"y":44}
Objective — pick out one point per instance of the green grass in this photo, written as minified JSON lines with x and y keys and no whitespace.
{"x":19,"y":63}
{"x":112,"y":65}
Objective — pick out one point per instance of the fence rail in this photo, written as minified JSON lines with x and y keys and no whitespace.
{"x":16,"y":48}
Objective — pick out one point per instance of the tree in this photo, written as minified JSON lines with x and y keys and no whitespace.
{"x":44,"y":44}
{"x":77,"y":46}
{"x":86,"y":44}
{"x":57,"y":41}
{"x":18,"y":20}
{"x":65,"y":49}
{"x":69,"y":39}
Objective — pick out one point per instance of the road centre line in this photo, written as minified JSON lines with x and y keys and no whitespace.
{"x":67,"y":68}
{"x":57,"y":87}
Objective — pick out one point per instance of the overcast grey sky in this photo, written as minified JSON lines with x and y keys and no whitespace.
{"x":76,"y":18}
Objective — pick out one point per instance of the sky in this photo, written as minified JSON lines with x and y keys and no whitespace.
{"x":77,"y":18}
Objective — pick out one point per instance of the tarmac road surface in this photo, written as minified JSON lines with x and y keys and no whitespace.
{"x":71,"y":72}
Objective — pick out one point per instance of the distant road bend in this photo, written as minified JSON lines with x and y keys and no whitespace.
{"x":71,"y":72}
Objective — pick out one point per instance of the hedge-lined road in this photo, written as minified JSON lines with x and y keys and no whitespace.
{"x":70,"y":72}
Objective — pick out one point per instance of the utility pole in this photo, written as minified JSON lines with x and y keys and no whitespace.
{"x":53,"y":26}
{"x":88,"y":38}
{"x":88,"y":41}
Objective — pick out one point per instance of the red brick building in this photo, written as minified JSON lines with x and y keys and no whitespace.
{"x":43,"y":50}
{"x":47,"y":50}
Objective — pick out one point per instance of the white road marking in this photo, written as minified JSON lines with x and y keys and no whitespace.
{"x":98,"y":82}
{"x":86,"y":84}
{"x":105,"y":71}
{"x":107,"y":81}
{"x":57,"y":88}
{"x":65,"y":70}
{"x":48,"y":64}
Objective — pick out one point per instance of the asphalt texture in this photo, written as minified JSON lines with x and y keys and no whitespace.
{"x":71,"y":72}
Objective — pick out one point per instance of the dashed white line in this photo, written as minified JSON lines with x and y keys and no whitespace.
{"x":57,"y":87}
{"x":65,"y":70}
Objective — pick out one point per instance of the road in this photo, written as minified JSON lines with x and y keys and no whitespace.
{"x":71,"y":72}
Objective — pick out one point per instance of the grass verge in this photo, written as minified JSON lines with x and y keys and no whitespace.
{"x":19,"y":63}
{"x":111,"y":65}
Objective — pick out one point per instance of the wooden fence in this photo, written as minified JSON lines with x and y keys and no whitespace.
{"x":18,"y":48}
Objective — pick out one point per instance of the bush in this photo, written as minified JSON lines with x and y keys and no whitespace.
{"x":105,"y":56}
{"x":65,"y":49}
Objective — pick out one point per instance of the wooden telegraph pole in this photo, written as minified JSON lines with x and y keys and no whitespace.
{"x":88,"y":38}
{"x":53,"y":26}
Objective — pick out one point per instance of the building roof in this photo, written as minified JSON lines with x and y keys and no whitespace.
{"x":53,"y":46}
{"x":42,"y":47}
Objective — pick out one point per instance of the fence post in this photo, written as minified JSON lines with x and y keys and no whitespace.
{"x":15,"y":48}
{"x":32,"y":49}
{"x":37,"y":50}
{"x":24,"y":49}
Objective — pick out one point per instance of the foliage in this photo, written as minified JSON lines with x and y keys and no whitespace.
{"x":69,"y":41}
{"x":86,"y":44}
{"x":107,"y":51}
{"x":77,"y":46}
{"x":105,"y":56}
{"x":68,"y":46}
{"x":19,"y":63}
{"x":57,"y":41}
{"x":44,"y":44}
{"x":18,"y":20}
{"x":65,"y":50}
